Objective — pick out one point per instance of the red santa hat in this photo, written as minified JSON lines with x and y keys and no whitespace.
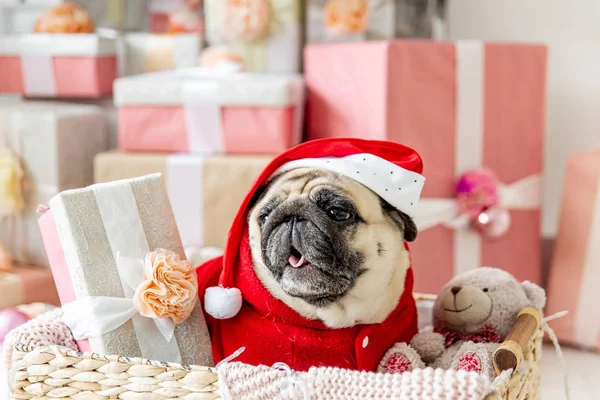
{"x":391,"y":170}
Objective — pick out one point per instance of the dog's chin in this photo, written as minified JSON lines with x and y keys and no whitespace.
{"x":310,"y":284}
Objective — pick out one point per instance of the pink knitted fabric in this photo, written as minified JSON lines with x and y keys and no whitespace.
{"x":45,"y":330}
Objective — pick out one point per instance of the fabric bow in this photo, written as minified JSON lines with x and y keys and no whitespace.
{"x":94,"y":316}
{"x":486,"y":334}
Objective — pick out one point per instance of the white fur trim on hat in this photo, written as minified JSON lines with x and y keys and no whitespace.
{"x":396,"y":185}
{"x":222,"y":303}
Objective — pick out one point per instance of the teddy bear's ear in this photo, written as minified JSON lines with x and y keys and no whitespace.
{"x":535,"y":294}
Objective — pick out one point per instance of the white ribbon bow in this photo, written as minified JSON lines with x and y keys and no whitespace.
{"x":94,"y":316}
{"x":523,"y":194}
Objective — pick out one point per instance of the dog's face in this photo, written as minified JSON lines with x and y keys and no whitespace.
{"x":319,"y":237}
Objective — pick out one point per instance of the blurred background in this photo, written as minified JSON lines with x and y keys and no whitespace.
{"x":501,"y":92}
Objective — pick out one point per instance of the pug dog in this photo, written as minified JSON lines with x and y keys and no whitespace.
{"x":330,"y":248}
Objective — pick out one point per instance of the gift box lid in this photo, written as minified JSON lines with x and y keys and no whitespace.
{"x":141,"y":38}
{"x":58,"y":44}
{"x":182,"y":86}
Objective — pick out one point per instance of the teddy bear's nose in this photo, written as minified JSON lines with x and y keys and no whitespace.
{"x":455,"y":290}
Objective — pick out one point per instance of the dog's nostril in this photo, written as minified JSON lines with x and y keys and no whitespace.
{"x":455,"y":290}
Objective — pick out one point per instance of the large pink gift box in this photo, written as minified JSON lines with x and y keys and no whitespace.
{"x":462,"y":106}
{"x":58,"y":65}
{"x":575,"y":271}
{"x":202,"y":111}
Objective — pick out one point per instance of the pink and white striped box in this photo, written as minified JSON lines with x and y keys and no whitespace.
{"x":462,"y":106}
{"x":58,"y":65}
{"x":575,"y":270}
{"x":198,"y":110}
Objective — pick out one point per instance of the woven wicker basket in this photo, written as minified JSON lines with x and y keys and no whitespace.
{"x":60,"y":373}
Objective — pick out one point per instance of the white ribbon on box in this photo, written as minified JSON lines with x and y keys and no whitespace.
{"x":522,"y":194}
{"x":185,"y":186}
{"x":202,"y":107}
{"x":95,"y":316}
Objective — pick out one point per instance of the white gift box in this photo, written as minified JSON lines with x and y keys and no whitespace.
{"x":56,"y":144}
{"x":97,"y":240}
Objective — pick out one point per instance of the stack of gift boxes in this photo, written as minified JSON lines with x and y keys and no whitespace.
{"x":467,"y":107}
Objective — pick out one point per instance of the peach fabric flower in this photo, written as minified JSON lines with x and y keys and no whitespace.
{"x":247,"y":20}
{"x":346,"y":16}
{"x":169,"y":289}
{"x":65,"y":18}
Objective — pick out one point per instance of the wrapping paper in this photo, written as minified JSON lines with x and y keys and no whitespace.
{"x":575,"y":269}
{"x":56,"y":143}
{"x":25,"y":285}
{"x":278,"y":51}
{"x":204,"y":202}
{"x":147,"y":52}
{"x":462,"y":106}
{"x":57,"y":65}
{"x":205,"y":111}
{"x":86,"y":230}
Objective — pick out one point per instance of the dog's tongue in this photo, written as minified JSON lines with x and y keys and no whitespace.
{"x":297,"y":262}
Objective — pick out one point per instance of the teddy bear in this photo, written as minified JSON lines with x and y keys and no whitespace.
{"x":472,"y":314}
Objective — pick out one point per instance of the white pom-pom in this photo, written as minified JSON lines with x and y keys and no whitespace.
{"x":197,"y":255}
{"x":222,"y":303}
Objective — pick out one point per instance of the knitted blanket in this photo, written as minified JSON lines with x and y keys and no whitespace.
{"x":242,"y":381}
{"x":45,"y":330}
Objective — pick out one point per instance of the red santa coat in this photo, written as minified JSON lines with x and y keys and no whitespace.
{"x":272,"y":332}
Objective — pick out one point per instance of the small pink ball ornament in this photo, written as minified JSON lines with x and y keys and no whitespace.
{"x":478,"y":198}
{"x":492,"y":223}
{"x":9,"y":320}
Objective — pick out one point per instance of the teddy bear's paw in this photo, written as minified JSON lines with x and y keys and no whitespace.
{"x":470,"y":362}
{"x":474,"y":357}
{"x":400,"y":358}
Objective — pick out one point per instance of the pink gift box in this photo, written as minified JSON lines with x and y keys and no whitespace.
{"x":27,"y":284}
{"x":75,"y":65}
{"x":575,"y":269}
{"x":462,"y":106}
{"x":200,"y":111}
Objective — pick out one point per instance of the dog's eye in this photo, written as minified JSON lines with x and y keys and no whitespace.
{"x":262,"y":218}
{"x":338,"y":214}
{"x":485,"y":290}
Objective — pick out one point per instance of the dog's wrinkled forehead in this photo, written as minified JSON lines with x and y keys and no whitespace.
{"x":320,"y":184}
